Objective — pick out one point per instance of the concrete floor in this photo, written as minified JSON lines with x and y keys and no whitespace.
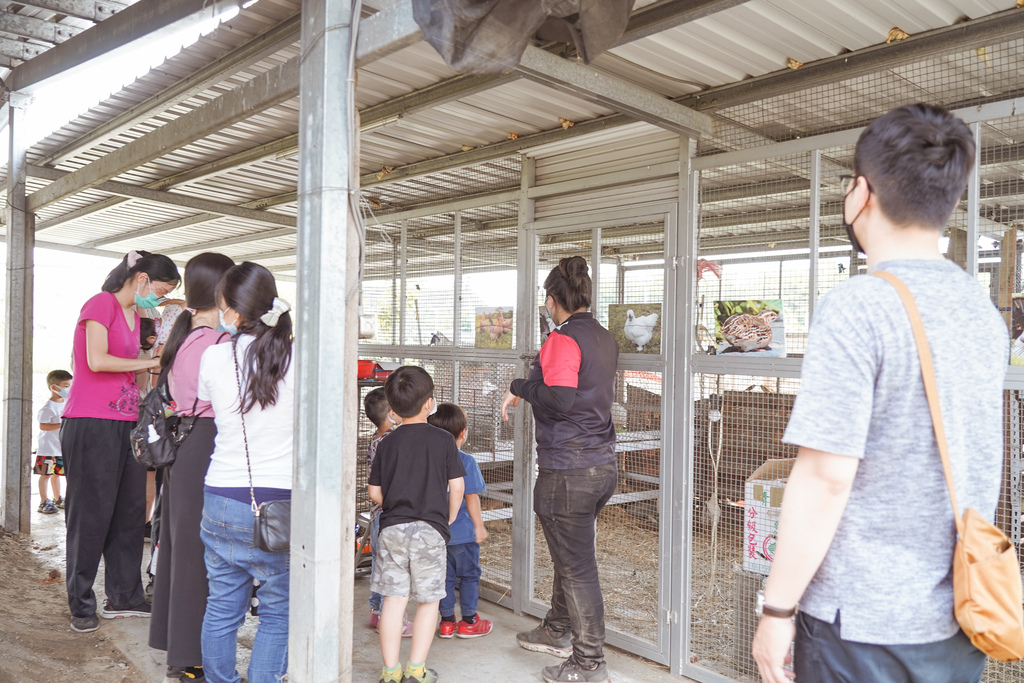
{"x":495,"y":658}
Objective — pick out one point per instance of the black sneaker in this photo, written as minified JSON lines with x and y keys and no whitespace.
{"x":570,"y":671}
{"x":429,"y":676}
{"x":541,"y":639}
{"x":192,"y":674}
{"x":109,"y":612}
{"x":85,"y":624}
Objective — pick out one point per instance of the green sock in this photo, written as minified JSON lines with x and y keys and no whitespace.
{"x":392,"y":674}
{"x":416,"y":670}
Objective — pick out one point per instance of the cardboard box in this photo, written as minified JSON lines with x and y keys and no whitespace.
{"x":763,"y":502}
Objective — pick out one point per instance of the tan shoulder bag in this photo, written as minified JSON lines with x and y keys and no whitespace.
{"x":986,"y":574}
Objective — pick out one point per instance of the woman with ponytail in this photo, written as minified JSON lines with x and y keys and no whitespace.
{"x":249,"y":383}
{"x":570,"y":388}
{"x":106,"y":495}
{"x":179,"y":593}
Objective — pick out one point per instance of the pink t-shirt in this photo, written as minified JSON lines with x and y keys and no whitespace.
{"x":105,"y":395}
{"x":184,"y":375}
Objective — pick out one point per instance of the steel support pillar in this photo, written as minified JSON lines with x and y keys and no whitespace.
{"x":323,"y":492}
{"x":18,"y":338}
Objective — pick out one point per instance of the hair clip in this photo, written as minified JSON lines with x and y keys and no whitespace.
{"x":279,"y":308}
{"x":190,"y":310}
{"x":133,"y":258}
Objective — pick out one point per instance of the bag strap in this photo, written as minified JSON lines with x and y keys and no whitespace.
{"x":241,"y":415}
{"x":930,"y":388}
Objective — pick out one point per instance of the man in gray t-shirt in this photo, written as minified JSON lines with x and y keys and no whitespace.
{"x":866,"y":533}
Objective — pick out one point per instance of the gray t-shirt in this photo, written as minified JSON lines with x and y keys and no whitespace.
{"x":889,"y":569}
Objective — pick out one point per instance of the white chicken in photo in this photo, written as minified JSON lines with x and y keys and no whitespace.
{"x":639,"y":330}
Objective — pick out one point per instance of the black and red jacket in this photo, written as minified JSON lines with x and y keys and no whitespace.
{"x":571,"y":388}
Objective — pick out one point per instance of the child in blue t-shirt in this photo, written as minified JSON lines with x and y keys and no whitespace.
{"x":467,"y":533}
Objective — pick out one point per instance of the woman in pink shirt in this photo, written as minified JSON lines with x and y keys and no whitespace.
{"x":180,"y":588}
{"x":105,"y":506}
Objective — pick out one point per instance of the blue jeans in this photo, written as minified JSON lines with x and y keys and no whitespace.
{"x":821,"y":655}
{"x":231,"y":565}
{"x":376,"y":599}
{"x":464,"y":571}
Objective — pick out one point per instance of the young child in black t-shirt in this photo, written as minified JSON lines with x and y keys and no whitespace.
{"x":417,"y":478}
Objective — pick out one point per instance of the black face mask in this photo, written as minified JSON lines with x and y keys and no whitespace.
{"x":849,"y":230}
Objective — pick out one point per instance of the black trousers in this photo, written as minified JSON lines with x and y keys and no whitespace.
{"x":567,"y":503}
{"x":105,"y":511}
{"x":180,"y":589}
{"x":821,"y":656}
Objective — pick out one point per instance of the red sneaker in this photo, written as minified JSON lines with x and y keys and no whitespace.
{"x":480,"y":628}
{"x":446,"y":629}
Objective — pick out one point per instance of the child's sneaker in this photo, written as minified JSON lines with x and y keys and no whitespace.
{"x":429,"y":676}
{"x":59,"y":502}
{"x":446,"y":629}
{"x":406,"y":627}
{"x":570,"y":670}
{"x":47,"y":507}
{"x":541,"y":639}
{"x":374,"y":619}
{"x":480,"y":627}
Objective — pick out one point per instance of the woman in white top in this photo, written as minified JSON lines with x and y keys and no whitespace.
{"x":255,"y":372}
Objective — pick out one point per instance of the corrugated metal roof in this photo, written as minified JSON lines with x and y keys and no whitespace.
{"x":748,"y":40}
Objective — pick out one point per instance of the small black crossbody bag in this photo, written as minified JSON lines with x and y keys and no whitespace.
{"x":272,"y":526}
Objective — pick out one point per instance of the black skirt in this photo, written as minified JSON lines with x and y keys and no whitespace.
{"x":179,"y":588}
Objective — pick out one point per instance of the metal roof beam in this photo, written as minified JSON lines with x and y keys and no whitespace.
{"x":256,"y":49}
{"x":188,"y":221}
{"x":16,"y":49}
{"x":38,"y":29}
{"x":967,"y":35}
{"x":90,"y":10}
{"x":171,"y":198}
{"x":613,"y":92}
{"x":262,"y":92}
{"x":228,"y":241}
{"x":667,"y":15}
{"x":112,"y":38}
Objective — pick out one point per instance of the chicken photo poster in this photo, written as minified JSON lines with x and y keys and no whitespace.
{"x":494,"y":328}
{"x":751,"y":327}
{"x":636,"y":327}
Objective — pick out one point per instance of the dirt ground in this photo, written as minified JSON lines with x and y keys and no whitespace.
{"x":36,"y":640}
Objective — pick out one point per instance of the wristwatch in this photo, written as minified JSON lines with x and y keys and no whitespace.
{"x":761,"y":609}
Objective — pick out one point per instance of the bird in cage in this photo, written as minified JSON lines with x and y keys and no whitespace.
{"x":749,"y":332}
{"x":640,"y":329}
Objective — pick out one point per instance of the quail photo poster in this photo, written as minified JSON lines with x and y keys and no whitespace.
{"x":494,"y":328}
{"x":1017,"y":330}
{"x":636,"y":327}
{"x":753,"y":327}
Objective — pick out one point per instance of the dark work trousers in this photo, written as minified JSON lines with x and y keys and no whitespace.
{"x":179,"y":585}
{"x":567,"y":503}
{"x":105,"y":511}
{"x":821,"y":656}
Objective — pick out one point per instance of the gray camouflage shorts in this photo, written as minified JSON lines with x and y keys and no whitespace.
{"x":412,"y":561}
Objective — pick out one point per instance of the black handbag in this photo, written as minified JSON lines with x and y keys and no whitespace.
{"x":158,"y":432}
{"x":272,"y":524}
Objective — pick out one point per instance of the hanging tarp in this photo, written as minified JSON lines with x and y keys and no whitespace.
{"x":489,"y":36}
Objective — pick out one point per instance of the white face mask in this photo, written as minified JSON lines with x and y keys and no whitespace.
{"x":434,"y":409}
{"x":61,"y":391}
{"x":231,"y":329}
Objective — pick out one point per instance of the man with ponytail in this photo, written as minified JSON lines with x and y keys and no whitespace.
{"x":571,"y":387}
{"x":106,"y":489}
{"x":866,"y":532}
